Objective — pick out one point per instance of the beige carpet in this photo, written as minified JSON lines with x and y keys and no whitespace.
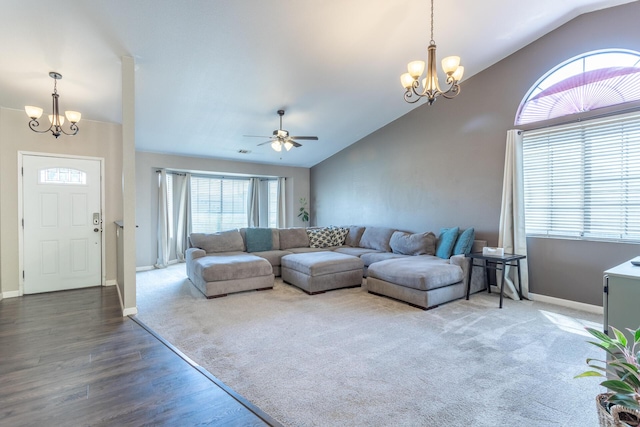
{"x":349,"y":358}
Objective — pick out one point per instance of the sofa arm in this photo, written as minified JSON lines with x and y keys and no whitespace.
{"x":478,"y":281}
{"x":462,"y":262}
{"x":194,"y":253}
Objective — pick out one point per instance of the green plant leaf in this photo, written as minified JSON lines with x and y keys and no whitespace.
{"x":618,"y":386}
{"x":636,"y":334}
{"x":620,"y":336}
{"x":589,"y":374}
{"x":600,"y":335}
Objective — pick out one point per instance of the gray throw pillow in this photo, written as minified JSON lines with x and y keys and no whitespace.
{"x":377,"y":238}
{"x":353,"y":236}
{"x":224,"y":241}
{"x":293,"y":238}
{"x":413,"y":244}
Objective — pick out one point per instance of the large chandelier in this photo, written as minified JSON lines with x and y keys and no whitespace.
{"x":430,"y":87}
{"x":55,"y":119}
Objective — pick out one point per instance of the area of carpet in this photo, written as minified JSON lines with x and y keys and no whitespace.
{"x":349,"y":358}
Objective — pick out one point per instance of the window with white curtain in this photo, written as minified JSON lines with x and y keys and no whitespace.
{"x":218,"y":204}
{"x":272,"y":201}
{"x":582,"y":180}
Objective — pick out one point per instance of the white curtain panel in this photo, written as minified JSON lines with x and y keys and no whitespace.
{"x":253,"y":203}
{"x":282,"y":205}
{"x":512,"y":236}
{"x":163,"y":222}
{"x":183,"y":225}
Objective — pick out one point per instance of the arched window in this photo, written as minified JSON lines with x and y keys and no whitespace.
{"x":584,"y":83}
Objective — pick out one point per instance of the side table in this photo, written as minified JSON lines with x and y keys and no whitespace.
{"x":493,"y":262}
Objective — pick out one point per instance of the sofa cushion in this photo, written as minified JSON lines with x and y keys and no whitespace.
{"x":355,"y":251}
{"x":321,"y":263}
{"x":273,"y":256}
{"x":214,"y":268}
{"x":422,"y":272}
{"x":446,"y":241}
{"x":320,"y":237}
{"x":413,"y":244}
{"x":293,"y":238}
{"x":354,"y":234}
{"x":224,"y":241}
{"x":339,"y":235}
{"x":377,"y":238}
{"x":464,"y":243}
{"x":258,"y":239}
{"x":371,"y":257}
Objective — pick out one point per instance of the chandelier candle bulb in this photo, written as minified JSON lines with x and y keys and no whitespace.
{"x":405,"y":79}
{"x":73,"y":116}
{"x":60,"y":121}
{"x":450,"y":64}
{"x":415,"y":68}
{"x":33,"y":112}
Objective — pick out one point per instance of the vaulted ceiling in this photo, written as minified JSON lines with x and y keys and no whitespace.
{"x":210,"y":71}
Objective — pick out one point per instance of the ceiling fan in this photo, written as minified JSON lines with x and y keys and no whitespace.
{"x":281,"y":138}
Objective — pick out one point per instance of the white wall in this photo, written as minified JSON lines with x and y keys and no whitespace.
{"x":95,"y":139}
{"x":147,"y":191}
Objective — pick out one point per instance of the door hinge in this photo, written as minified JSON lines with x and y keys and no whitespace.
{"x":22,"y":171}
{"x":22,"y":222}
{"x":22,"y":274}
{"x":606,"y":289}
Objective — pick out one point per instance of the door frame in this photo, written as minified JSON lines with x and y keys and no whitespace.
{"x":21,"y":154}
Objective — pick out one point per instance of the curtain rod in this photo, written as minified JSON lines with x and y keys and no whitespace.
{"x":219,"y":176}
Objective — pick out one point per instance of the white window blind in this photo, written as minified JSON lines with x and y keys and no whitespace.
{"x":218,"y":204}
{"x":272,"y":215}
{"x":583,"y":180}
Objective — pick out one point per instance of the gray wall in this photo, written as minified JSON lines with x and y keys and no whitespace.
{"x":95,"y":139}
{"x":147,"y":191}
{"x":442,"y":165}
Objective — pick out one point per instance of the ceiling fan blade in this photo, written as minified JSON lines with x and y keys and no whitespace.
{"x":266,"y":142}
{"x":295,"y":144}
{"x":308,"y":138}
{"x":256,"y":136}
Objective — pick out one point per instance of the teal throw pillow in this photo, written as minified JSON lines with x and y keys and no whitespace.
{"x":258,"y":239}
{"x":446,"y":241}
{"x":465,"y":242}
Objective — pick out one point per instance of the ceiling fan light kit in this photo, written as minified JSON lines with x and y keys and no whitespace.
{"x":281,"y":138}
{"x":430,"y":87}
{"x":55,"y":119}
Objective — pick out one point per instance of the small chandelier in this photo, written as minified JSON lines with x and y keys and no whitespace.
{"x":55,"y":119}
{"x":430,"y":87}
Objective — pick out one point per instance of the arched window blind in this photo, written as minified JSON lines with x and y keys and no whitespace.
{"x":587,"y":82}
{"x":583,"y":180}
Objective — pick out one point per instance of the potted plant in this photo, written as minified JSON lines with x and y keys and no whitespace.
{"x":620,"y":407}
{"x":303,"y":214}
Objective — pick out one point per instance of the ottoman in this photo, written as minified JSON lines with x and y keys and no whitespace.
{"x":317,"y":272}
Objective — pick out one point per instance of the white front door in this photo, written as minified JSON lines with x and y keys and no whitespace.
{"x":62,"y":223}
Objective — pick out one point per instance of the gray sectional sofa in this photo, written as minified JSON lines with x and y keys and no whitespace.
{"x":396,"y":264}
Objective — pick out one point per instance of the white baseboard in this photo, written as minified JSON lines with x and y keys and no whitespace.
{"x":596,"y":309}
{"x":111,"y":282}
{"x":145,"y":268}
{"x":10,"y":294}
{"x":130,"y":311}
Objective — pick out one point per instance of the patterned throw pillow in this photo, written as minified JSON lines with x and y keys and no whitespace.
{"x":320,"y":237}
{"x":339,"y":235}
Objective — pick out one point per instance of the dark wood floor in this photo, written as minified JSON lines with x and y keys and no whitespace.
{"x":70,"y":359}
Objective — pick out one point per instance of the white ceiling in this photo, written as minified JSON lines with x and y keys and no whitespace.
{"x":211,"y":71}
